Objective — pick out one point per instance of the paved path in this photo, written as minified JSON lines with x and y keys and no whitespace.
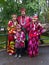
{"x":42,"y":59}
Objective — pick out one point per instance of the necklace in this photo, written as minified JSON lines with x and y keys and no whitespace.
{"x":23,"y":22}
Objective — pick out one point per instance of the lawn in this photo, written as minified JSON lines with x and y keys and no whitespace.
{"x":3,"y":42}
{"x":45,"y":39}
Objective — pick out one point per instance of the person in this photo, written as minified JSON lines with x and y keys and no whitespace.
{"x":19,"y":37}
{"x":37,"y":20}
{"x":24,"y":21}
{"x":36,"y":29}
{"x":11,"y":28}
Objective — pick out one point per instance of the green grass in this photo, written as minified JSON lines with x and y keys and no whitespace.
{"x":2,"y":42}
{"x":2,"y":46}
{"x":45,"y":39}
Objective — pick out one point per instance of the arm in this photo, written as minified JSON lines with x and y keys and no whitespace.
{"x":41,"y":28}
{"x":22,"y":37}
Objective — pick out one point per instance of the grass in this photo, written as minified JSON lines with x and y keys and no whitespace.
{"x":2,"y":42}
{"x":2,"y":46}
{"x":45,"y":39}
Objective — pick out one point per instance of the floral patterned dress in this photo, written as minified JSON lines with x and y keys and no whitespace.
{"x":19,"y":39}
{"x":33,"y":42}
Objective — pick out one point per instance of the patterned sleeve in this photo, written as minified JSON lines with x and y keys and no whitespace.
{"x":10,"y":23}
{"x":40,"y":29}
{"x":22,"y":36}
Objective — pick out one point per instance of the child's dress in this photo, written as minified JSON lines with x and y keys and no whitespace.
{"x":19,"y":39}
{"x":10,"y":45}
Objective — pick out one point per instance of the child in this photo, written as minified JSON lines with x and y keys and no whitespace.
{"x":19,"y":41}
{"x":11,"y":28}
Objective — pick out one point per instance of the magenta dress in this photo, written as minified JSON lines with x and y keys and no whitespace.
{"x":19,"y":39}
{"x":33,"y":41}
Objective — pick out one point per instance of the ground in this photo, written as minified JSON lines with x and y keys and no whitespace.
{"x":41,"y":59}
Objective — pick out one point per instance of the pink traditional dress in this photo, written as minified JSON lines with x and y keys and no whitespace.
{"x":11,"y":29}
{"x":19,"y":39}
{"x":35,"y":30}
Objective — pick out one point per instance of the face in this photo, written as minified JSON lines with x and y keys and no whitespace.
{"x":23,"y":13}
{"x":36,"y":19}
{"x":14,"y":17}
{"x":33,"y":20}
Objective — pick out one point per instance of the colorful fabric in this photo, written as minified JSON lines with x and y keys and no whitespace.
{"x":23,"y":21}
{"x":19,"y":39}
{"x":11,"y":28}
{"x":10,"y":47}
{"x":33,"y":46}
{"x":34,"y":32}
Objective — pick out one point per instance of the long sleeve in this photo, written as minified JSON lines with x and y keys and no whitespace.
{"x":22,"y":36}
{"x":40,"y":29}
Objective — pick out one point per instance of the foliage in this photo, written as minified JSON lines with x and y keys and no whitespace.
{"x":47,"y":15}
{"x":12,"y":6}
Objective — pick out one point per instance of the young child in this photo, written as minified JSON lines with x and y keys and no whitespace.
{"x":19,"y":41}
{"x":11,"y":28}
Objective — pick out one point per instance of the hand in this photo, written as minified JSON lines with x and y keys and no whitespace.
{"x":44,"y":30}
{"x":14,"y":32}
{"x":22,"y":41}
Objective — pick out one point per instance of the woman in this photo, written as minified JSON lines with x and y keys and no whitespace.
{"x":35,"y":30}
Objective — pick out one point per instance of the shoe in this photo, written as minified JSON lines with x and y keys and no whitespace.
{"x":19,"y":56}
{"x":16,"y":56}
{"x":10,"y":54}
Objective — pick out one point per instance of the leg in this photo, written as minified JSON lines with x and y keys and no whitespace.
{"x":20,"y":52}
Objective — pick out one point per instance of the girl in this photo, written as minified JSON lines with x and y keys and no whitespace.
{"x":11,"y":28}
{"x":19,"y":41}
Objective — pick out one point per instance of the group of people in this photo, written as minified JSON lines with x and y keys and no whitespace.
{"x":23,"y":34}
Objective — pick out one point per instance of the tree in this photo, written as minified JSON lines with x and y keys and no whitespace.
{"x":13,"y":6}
